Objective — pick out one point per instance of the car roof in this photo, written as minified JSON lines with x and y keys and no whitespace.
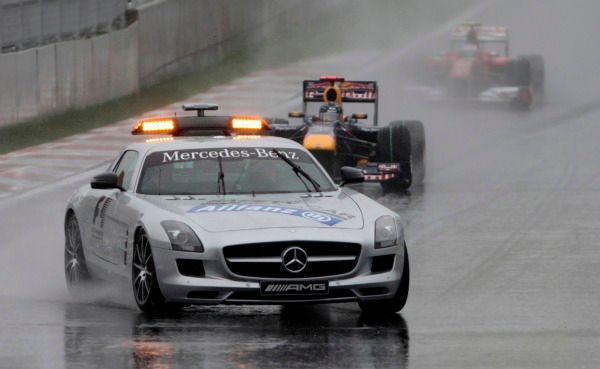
{"x":204,"y":142}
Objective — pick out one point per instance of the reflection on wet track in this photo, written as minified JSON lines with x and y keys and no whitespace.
{"x":311,"y":336}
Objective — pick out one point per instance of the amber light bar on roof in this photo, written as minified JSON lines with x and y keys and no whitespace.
{"x":155,"y":126}
{"x":246,"y":123}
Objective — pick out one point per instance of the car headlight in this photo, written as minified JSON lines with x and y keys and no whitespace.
{"x":182,"y":237}
{"x":388,"y":232}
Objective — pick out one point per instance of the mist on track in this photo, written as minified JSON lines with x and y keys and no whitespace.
{"x":502,"y":236}
{"x":466,"y":147}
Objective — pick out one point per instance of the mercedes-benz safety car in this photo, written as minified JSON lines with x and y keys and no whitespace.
{"x":393,"y":155}
{"x":478,"y":67}
{"x":236,"y":219}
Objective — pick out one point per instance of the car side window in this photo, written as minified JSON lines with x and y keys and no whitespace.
{"x":125,"y":168}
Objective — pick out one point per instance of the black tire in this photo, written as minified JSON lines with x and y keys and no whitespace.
{"x":403,"y":142}
{"x":522,"y":73}
{"x":418,"y":148}
{"x":396,"y":303}
{"x":538,"y":75}
{"x":77,"y":275}
{"x":146,"y":290}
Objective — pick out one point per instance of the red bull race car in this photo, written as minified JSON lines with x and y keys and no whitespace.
{"x":393,"y":155}
{"x":479,"y":68}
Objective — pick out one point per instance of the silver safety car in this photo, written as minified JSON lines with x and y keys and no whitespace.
{"x":232,"y":219}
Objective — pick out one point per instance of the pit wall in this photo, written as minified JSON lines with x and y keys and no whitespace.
{"x":170,"y":37}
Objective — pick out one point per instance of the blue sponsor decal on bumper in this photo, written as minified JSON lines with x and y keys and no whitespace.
{"x":317,"y":216}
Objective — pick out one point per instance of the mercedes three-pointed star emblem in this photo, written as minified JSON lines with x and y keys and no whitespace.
{"x":294,"y":259}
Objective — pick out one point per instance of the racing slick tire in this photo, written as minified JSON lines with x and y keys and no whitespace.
{"x":403,"y":142}
{"x":76,"y":272}
{"x":146,"y":290}
{"x":397,"y":302}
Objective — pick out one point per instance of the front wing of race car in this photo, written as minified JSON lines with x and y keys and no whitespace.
{"x":381,"y":172}
{"x":494,"y":95}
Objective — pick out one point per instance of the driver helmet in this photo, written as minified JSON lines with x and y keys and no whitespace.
{"x":472,"y":37}
{"x":330,"y":112}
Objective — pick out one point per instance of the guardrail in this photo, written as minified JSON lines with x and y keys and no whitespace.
{"x":30,"y":23}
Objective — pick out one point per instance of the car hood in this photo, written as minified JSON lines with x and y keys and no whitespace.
{"x":231,"y":212}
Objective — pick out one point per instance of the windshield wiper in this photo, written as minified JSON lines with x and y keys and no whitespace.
{"x":221,"y":178}
{"x":299,"y":171}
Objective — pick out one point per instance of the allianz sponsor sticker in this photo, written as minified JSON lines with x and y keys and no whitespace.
{"x":316,"y":216}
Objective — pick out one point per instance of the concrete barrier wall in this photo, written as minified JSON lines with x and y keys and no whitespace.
{"x":169,"y":38}
{"x":179,"y":35}
{"x":68,"y":75}
{"x":30,"y":23}
{"x":8,"y":88}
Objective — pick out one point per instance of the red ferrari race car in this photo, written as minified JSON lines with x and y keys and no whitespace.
{"x":478,"y":68}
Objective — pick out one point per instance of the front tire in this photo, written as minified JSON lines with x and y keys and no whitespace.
{"x":397,"y":302}
{"x":403,"y":142}
{"x":76,"y":272}
{"x":538,"y":76}
{"x":146,"y":291}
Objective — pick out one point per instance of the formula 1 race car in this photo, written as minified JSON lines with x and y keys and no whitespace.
{"x":478,"y":68}
{"x":231,"y":220}
{"x":393,"y":155}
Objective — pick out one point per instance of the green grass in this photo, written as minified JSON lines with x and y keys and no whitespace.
{"x":358,"y":26}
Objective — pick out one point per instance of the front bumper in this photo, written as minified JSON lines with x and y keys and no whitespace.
{"x":220,"y":286}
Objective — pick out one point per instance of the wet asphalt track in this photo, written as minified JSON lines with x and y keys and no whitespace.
{"x":504,"y":240}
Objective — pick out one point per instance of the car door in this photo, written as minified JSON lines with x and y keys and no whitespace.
{"x":110,"y":228}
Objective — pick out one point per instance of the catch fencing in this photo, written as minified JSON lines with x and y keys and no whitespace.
{"x":30,"y":23}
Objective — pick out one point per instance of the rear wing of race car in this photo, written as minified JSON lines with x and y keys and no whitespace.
{"x":201,"y":125}
{"x":485,"y":34}
{"x":350,"y":91}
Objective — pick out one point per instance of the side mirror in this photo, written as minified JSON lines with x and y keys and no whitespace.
{"x":106,"y":181}
{"x":359,"y":116}
{"x":296,"y":114}
{"x":351,"y":175}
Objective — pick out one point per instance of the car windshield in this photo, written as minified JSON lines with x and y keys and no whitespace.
{"x":253,"y":170}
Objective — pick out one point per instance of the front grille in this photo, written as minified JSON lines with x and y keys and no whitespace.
{"x":264,"y":260}
{"x":256,"y":296}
